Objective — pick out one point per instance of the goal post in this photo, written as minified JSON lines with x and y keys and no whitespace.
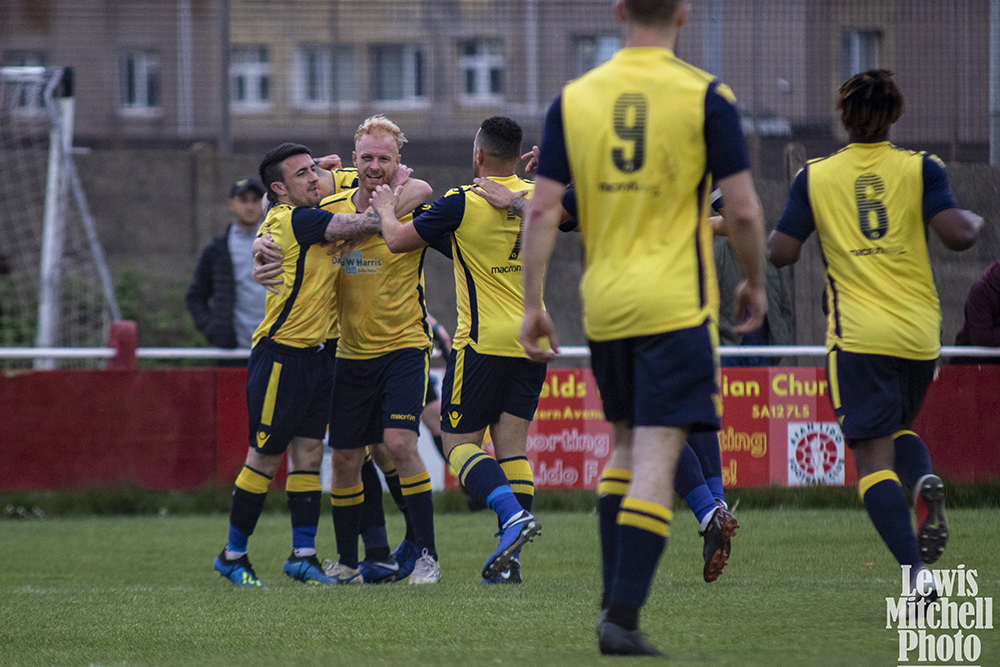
{"x":55,"y":286}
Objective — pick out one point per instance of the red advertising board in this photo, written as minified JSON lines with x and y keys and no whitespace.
{"x":778,"y":427}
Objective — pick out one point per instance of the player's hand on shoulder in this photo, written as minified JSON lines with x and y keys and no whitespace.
{"x":496,"y":194}
{"x":751,"y":307}
{"x":538,"y":336}
{"x":402,"y":176}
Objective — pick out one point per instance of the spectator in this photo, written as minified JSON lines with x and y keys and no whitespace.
{"x":777,"y":327}
{"x":225,"y":302}
{"x":982,"y":316}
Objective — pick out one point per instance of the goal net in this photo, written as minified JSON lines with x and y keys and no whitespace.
{"x":55,"y":289}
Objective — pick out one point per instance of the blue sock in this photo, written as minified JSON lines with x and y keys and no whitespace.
{"x":484,"y":479}
{"x":706,"y":447}
{"x":503,"y":501}
{"x":304,"y":495}
{"x":237,"y":540}
{"x":690,"y":485}
{"x":890,"y":514}
{"x":913,"y":461}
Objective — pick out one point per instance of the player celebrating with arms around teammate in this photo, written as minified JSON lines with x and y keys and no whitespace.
{"x":870,"y":204}
{"x":489,"y":381}
{"x":288,"y":376}
{"x":642,"y":138}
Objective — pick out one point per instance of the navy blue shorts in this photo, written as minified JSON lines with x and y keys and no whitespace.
{"x":288,"y":394}
{"x":876,"y":395}
{"x":666,"y":379}
{"x":371,"y":395}
{"x":432,"y":392}
{"x":478,"y":388}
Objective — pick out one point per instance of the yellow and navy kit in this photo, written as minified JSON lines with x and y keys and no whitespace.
{"x":380,"y":295}
{"x":641,"y":137}
{"x":486,"y":248}
{"x":869,"y":203}
{"x":345,"y":179}
{"x":299,"y":315}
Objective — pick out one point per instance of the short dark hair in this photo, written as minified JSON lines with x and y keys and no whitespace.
{"x":270,"y":166}
{"x":651,"y":12}
{"x":869,"y":103}
{"x":500,"y":138}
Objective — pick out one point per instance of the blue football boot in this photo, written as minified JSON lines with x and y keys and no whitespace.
{"x":239,"y":571}
{"x":518,"y":531}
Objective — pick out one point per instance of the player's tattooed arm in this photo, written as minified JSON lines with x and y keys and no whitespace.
{"x":501,"y":196}
{"x":349,"y":226}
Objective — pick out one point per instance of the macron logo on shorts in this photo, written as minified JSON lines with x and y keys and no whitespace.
{"x":262,"y":438}
{"x":454,"y":417}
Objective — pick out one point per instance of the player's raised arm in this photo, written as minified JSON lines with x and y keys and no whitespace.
{"x":397,"y":236}
{"x":410,"y":192}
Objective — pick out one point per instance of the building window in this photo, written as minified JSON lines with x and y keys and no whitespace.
{"x":249,"y":78}
{"x":482,"y":64}
{"x":140,"y":82}
{"x":592,"y":50}
{"x":398,"y":73}
{"x":858,"y":51}
{"x":28,"y":98}
{"x":322,"y":76}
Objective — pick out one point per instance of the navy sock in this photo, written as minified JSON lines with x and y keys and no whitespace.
{"x":372,"y":526}
{"x":304,"y":493}
{"x":611,"y":488}
{"x":690,"y":485}
{"x":643,"y":528}
{"x":706,"y":447}
{"x":890,"y":514}
{"x":913,"y":460}
{"x":249,"y":494}
{"x":347,"y":508}
{"x":483,"y":477}
{"x":420,"y":507}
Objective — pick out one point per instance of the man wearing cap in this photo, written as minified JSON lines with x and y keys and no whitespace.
{"x":225,"y":302}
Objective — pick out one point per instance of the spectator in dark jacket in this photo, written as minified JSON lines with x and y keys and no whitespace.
{"x":227,"y":305}
{"x":982,"y":316}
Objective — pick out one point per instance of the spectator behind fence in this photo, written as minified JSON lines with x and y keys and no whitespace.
{"x":982,"y":316}
{"x":225,"y":302}
{"x":777,"y":326}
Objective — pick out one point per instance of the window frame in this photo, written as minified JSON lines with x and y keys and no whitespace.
{"x":253,"y":72}
{"x":481,"y":65}
{"x":415,"y":69}
{"x":139,"y":77}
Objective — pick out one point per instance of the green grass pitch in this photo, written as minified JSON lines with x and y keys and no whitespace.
{"x":804,"y":587}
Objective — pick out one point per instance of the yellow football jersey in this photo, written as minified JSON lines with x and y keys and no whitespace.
{"x":380,"y":295}
{"x":486,"y":250}
{"x":300,"y":314}
{"x":637,"y":135}
{"x":867,"y":204}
